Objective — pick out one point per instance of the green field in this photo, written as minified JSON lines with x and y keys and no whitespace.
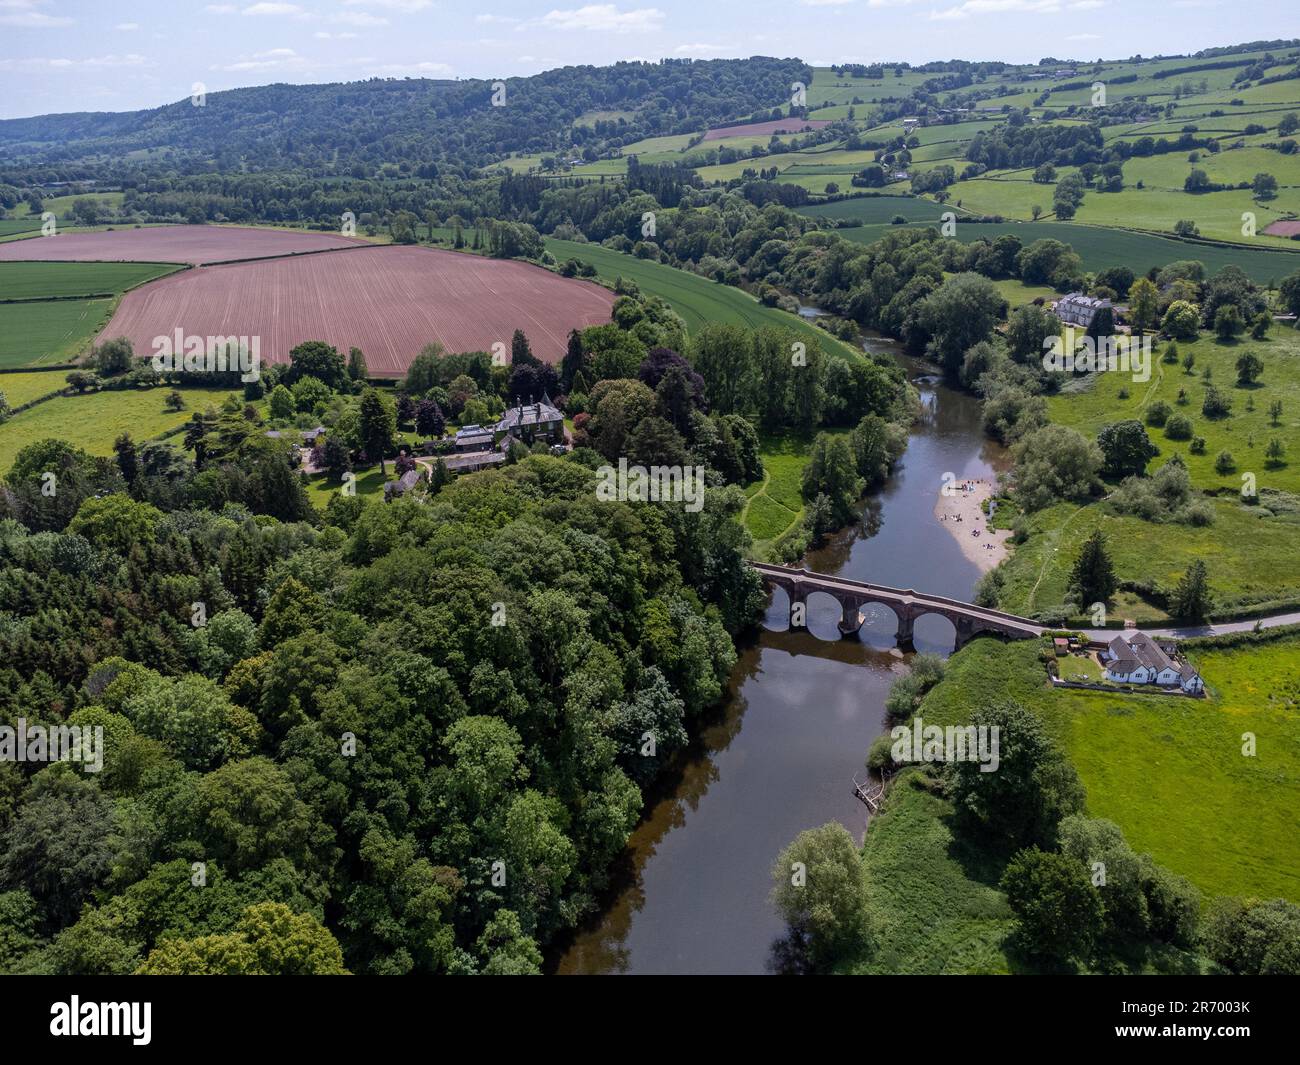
{"x":698,"y":300}
{"x":20,"y":388}
{"x":1245,"y":433}
{"x":1169,"y":770}
{"x":866,"y":210}
{"x":775,"y":504}
{"x":93,"y":421}
{"x":41,"y":280}
{"x":935,"y":900}
{"x":54,"y":331}
{"x":1100,"y":248}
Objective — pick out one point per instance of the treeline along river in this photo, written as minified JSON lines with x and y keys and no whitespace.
{"x":802,"y":710}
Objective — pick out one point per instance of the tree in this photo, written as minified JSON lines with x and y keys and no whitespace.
{"x":1228,"y":322}
{"x":1126,"y":448}
{"x":1093,"y":578}
{"x":1034,"y":786}
{"x":1058,"y":911}
{"x":1275,"y":453}
{"x":1192,"y":599}
{"x":281,"y":403}
{"x":1182,"y":320}
{"x":114,"y":357}
{"x":1144,"y":304}
{"x":821,"y":894}
{"x":128,"y":460}
{"x":958,"y":315}
{"x":377,"y":425}
{"x":315,"y":358}
{"x":1275,"y":412}
{"x":269,"y":940}
{"x":574,"y":361}
{"x":1251,"y":937}
{"x":357,"y":371}
{"x":429,"y":421}
{"x":1055,"y":463}
{"x":832,"y":472}
{"x":116,"y":522}
{"x":1249,"y":367}
{"x":1289,"y":293}
{"x":1264,"y":186}
{"x":521,"y":352}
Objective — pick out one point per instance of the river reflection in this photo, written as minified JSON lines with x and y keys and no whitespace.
{"x":780,"y":755}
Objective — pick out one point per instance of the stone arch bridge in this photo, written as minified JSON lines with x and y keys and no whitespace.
{"x":967,"y":619}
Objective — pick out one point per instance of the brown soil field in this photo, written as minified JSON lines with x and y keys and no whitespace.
{"x":766,"y":129}
{"x":1284,"y":229}
{"x":173,"y":244}
{"x":389,"y":301}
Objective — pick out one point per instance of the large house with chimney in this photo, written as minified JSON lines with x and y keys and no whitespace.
{"x":530,"y":422}
{"x":1141,"y":660}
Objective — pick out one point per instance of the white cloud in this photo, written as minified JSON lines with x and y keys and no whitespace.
{"x":60,"y":63}
{"x":1084,"y":37}
{"x":1003,"y":7}
{"x":221,"y":9}
{"x":495,"y":20}
{"x":603,"y":18}
{"x":127,"y":27}
{"x":273,"y":9}
{"x":24,"y":14}
{"x":825,"y":3}
{"x":271,"y":59}
{"x":404,"y":6}
{"x":325,"y":35}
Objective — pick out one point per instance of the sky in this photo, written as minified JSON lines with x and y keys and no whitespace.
{"x":121,"y":55}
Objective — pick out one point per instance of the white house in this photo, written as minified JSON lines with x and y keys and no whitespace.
{"x":1140,"y":660}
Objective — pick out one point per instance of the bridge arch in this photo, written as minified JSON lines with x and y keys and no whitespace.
{"x":934,"y":632}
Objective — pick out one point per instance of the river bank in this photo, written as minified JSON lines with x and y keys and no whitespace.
{"x":802,"y":710}
{"x":959,"y":508}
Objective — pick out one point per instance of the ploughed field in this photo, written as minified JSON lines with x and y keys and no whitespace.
{"x":173,"y":244}
{"x":390,"y":301}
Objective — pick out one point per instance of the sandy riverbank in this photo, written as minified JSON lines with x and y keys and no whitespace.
{"x":962,"y":515}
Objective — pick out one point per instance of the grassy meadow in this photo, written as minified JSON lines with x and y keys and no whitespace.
{"x":1169,"y":770}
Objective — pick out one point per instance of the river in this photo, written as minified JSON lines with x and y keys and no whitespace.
{"x":802,"y":709}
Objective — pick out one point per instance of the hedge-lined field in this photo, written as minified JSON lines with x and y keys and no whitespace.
{"x":53,"y":331}
{"x":45,"y":280}
{"x":1170,"y":770}
{"x":698,"y":300}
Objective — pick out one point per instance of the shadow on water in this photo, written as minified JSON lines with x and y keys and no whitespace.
{"x":692,"y":894}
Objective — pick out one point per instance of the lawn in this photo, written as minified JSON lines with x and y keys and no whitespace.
{"x":1170,"y":770}
{"x":42,"y":280}
{"x":53,"y":331}
{"x":321,"y":489}
{"x":875,"y":209}
{"x":93,"y":421}
{"x":698,"y":300}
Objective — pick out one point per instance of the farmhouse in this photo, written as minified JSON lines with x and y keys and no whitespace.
{"x":1078,"y":309}
{"x":534,"y":421}
{"x":1140,"y":660}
